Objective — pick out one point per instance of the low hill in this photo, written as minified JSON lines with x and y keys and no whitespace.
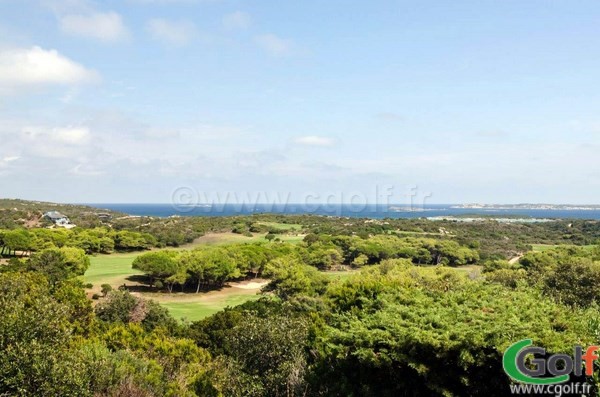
{"x":16,"y":212}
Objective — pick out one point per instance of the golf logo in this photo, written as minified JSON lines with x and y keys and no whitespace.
{"x":543,"y":369}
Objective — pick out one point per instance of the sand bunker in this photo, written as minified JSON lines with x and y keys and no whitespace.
{"x":250,"y":284}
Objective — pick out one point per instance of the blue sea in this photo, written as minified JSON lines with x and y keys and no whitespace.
{"x":345,"y":210}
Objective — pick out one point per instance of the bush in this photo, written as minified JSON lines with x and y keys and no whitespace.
{"x":122,"y":307}
{"x":106,"y":288}
{"x":574,"y":283}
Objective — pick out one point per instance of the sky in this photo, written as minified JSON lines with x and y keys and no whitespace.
{"x":152,"y":101}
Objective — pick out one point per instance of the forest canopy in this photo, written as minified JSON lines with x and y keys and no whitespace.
{"x":424,"y":307}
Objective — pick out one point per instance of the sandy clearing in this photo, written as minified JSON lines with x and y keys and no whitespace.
{"x":247,"y":287}
{"x":251,"y":285}
{"x":514,"y":260}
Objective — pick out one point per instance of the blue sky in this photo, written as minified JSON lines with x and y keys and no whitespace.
{"x":462,"y":101}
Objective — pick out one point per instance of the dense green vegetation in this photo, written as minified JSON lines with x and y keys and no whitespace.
{"x":209,"y":267}
{"x":492,"y":239}
{"x":403,"y":318}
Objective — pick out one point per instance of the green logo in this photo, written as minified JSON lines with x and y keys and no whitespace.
{"x":515,"y":356}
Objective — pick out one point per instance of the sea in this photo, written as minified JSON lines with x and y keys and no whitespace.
{"x":435,"y":211}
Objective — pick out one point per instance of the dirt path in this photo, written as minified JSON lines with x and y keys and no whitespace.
{"x":514,"y":260}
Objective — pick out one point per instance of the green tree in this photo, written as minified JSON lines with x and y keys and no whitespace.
{"x":160,"y":265}
{"x":290,"y":278}
{"x":311,"y":238}
{"x":360,"y":260}
{"x":210,"y":266}
{"x":117,"y":308}
{"x":16,"y":240}
{"x":323,"y":256}
{"x":35,"y":333}
{"x":105,"y":289}
{"x":121,"y":307}
{"x":52,"y":263}
{"x":132,"y":241}
{"x":272,"y":352}
{"x":76,"y":260}
{"x":80,"y":311}
{"x":402,"y":330}
{"x":59,"y":264}
{"x":574,"y":283}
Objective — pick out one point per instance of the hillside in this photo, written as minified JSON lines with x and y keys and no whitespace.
{"x":16,"y":212}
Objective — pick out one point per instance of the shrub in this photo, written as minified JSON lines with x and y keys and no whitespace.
{"x":106,"y":288}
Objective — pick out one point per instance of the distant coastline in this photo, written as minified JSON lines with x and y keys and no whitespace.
{"x":547,"y":207}
{"x":483,"y":211}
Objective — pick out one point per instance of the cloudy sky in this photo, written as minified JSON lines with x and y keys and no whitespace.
{"x":462,"y":101}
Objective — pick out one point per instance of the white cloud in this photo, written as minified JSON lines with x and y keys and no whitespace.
{"x":72,"y":135}
{"x":171,"y":32}
{"x":274,"y":45}
{"x":107,"y":27}
{"x":237,"y":20}
{"x":36,"y":66}
{"x":83,"y":169}
{"x":314,"y":140}
{"x":10,"y":159}
{"x":69,"y":95}
{"x":41,"y":143}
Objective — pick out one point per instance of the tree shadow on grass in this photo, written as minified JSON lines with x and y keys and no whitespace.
{"x":142,"y":284}
{"x":138,"y":278}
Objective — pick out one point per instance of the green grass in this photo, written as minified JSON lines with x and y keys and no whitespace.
{"x":110,"y":269}
{"x":233,"y":238}
{"x":467,"y":269}
{"x":341,"y":276}
{"x":546,"y":247}
{"x":542,"y":247}
{"x":290,"y":239}
{"x":227,"y":238}
{"x":114,"y":270}
{"x":193,"y":311}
